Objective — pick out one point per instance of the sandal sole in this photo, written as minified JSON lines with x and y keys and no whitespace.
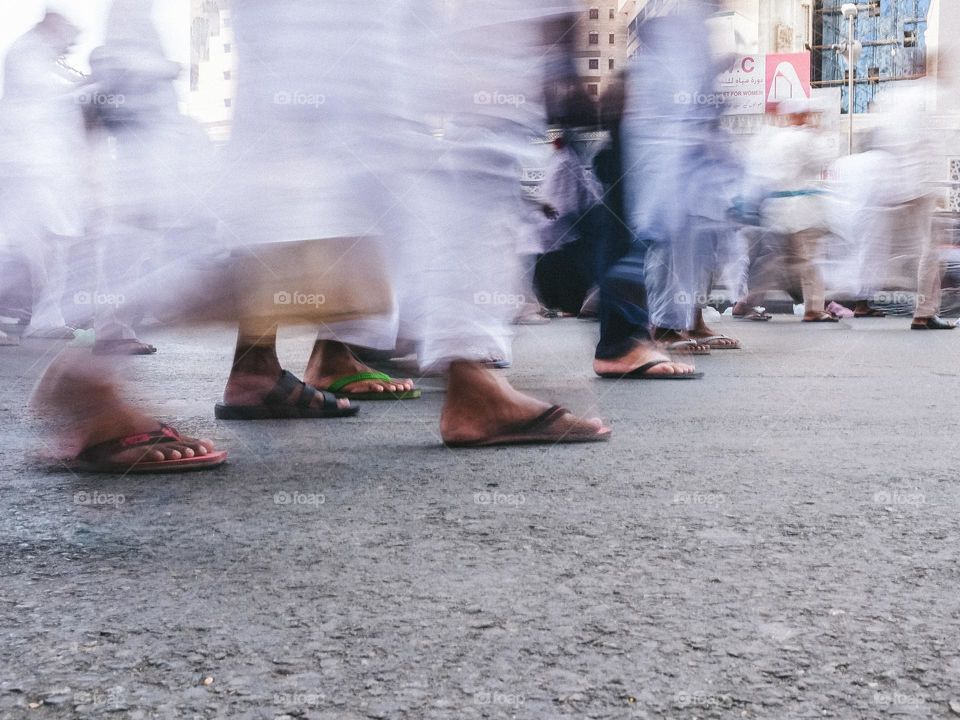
{"x":264,"y":412}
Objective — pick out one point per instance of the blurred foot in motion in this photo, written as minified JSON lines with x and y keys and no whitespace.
{"x":863,"y":310}
{"x":676,"y":341}
{"x":334,"y":367}
{"x":744,"y":311}
{"x":822,"y":316}
{"x":643,"y":353}
{"x":704,"y":335}
{"x":51,"y":332}
{"x":123,"y":346}
{"x":482,"y":408}
{"x":934,"y":322}
{"x":93,"y":425}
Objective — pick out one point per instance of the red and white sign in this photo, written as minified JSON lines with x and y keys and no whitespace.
{"x":754,"y":84}
{"x":788,"y":78}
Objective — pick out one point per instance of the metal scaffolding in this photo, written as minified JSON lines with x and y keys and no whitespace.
{"x":894,"y":46}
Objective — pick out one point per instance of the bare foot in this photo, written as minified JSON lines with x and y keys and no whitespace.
{"x":863,"y":310}
{"x":677,"y":342}
{"x":716,"y":340}
{"x":331,"y":361}
{"x":481,"y":404}
{"x":79,"y":396}
{"x":124,"y":421}
{"x":642,"y":353}
{"x":741,"y":309}
{"x":702,"y":331}
{"x":820,"y":317}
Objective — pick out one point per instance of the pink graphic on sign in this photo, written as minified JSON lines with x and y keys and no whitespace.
{"x":788,"y":78}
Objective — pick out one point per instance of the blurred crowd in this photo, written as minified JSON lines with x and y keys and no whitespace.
{"x":375,"y":193}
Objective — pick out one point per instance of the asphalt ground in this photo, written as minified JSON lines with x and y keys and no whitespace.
{"x":777,"y":540}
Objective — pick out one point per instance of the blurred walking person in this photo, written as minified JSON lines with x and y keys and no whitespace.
{"x":681,"y":175}
{"x":626,"y":347}
{"x":327,"y":144}
{"x":42,"y":153}
{"x":905,"y":133}
{"x":371,"y":160}
{"x":788,"y":160}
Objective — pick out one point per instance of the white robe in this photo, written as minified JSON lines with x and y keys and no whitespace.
{"x":41,"y":156}
{"x":405,"y":122}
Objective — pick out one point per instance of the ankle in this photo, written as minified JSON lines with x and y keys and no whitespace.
{"x":256,"y":360}
{"x":330,"y":358}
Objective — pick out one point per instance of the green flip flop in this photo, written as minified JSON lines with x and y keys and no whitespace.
{"x":337,"y":388}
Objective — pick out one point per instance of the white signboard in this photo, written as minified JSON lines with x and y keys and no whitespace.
{"x":743,"y":86}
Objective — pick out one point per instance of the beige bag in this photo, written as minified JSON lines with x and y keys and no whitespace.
{"x":312,"y":281}
{"x":302,"y":282}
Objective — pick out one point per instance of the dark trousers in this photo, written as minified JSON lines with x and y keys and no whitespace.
{"x":564,"y":276}
{"x":603,"y":255}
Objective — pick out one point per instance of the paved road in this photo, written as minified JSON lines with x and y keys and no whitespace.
{"x":776,"y":541}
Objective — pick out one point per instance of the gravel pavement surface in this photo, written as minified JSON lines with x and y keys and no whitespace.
{"x":778,"y":540}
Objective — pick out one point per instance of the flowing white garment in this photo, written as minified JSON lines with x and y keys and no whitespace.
{"x":405,"y":122}
{"x":41,"y":155}
{"x":790,"y":161}
{"x":152,"y":171}
{"x":491,"y":62}
{"x":860,"y":208}
{"x":681,"y":174}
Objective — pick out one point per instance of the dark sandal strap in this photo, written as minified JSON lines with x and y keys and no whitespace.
{"x":287,"y":385}
{"x":329,"y":399}
{"x":307,"y":394}
{"x":545,"y":419}
{"x":643,"y":369}
{"x":310,"y":392}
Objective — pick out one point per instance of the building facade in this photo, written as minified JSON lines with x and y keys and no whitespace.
{"x":892,"y":33}
{"x":893,"y":36}
{"x":742,"y":26}
{"x":212,"y":67}
{"x":601,"y":44}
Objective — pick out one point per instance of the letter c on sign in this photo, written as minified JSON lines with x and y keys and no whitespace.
{"x":748,"y":64}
